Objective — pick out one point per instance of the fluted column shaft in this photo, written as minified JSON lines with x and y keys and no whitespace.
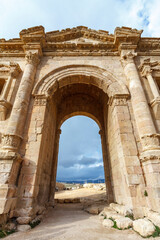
{"x":144,"y":121}
{"x":12,"y":138}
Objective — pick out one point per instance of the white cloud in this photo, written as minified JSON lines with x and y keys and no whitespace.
{"x":16,"y":15}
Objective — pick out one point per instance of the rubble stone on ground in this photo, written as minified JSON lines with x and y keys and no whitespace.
{"x":144,"y":227}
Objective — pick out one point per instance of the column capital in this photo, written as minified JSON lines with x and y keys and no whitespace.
{"x":127,"y":56}
{"x":11,"y":141}
{"x":32,"y":57}
{"x":15,"y":69}
{"x":146,"y":67}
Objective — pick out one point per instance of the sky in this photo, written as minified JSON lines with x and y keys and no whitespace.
{"x":80,"y":153}
{"x":16,"y":15}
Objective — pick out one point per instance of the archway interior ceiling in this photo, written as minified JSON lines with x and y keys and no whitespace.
{"x":80,"y":99}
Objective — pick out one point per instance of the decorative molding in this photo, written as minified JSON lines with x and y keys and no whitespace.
{"x":79,"y":41}
{"x":152,"y":156}
{"x":40,"y":100}
{"x":116,"y":100}
{"x":150,"y":141}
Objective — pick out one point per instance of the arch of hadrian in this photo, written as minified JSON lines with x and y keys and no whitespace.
{"x":46,"y":78}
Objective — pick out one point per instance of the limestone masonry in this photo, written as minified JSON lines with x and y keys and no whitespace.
{"x":45,"y":78}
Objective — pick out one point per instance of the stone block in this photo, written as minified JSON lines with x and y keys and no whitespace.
{"x":124,"y":222}
{"x":121,"y":209}
{"x":144,"y":227}
{"x":108,"y":223}
{"x":24,"y":220}
{"x":23,"y":228}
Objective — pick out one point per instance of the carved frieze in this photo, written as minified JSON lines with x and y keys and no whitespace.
{"x":78,"y":41}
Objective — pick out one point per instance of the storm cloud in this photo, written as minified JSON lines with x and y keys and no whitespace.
{"x":80,"y":153}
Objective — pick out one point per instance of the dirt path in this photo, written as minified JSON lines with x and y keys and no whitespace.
{"x":69,"y":222}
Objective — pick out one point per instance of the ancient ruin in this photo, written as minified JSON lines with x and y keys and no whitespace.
{"x":45,"y":78}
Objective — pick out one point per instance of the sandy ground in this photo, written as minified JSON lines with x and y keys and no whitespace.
{"x":70,"y":222}
{"x":82,"y":193}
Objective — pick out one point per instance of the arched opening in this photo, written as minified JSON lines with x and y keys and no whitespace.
{"x":78,"y":98}
{"x":80,"y":152}
{"x":72,"y":91}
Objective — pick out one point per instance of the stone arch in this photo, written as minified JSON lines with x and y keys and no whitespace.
{"x":58,"y":80}
{"x":97,"y":76}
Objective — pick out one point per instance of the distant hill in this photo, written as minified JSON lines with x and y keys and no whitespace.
{"x":82,"y":181}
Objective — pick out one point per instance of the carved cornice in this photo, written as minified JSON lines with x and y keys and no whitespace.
{"x":79,"y":41}
{"x":128,"y":35}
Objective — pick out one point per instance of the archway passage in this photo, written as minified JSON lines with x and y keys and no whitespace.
{"x":80,"y":152}
{"x":71,"y":100}
{"x":71,"y":94}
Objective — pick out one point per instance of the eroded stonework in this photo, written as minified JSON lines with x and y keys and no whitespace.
{"x":45,"y":78}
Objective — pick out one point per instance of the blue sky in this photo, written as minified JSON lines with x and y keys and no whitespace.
{"x":80,"y":156}
{"x":80,"y":153}
{"x":16,"y":15}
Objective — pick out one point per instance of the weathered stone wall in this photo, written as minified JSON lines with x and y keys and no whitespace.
{"x":50,"y":77}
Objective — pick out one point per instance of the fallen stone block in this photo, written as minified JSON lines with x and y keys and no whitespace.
{"x":24,"y":220}
{"x":121,"y":209}
{"x":154,"y":217}
{"x":144,"y":227}
{"x":108,"y":223}
{"x":23,"y":228}
{"x":93,"y":210}
{"x":124,"y":222}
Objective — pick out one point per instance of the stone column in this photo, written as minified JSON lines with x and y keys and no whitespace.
{"x":107,"y":169}
{"x":9,"y":156}
{"x":5,"y":105}
{"x":147,"y":131}
{"x":12,"y":138}
{"x":150,"y":156}
{"x":54,"y":168}
{"x":146,"y":70}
